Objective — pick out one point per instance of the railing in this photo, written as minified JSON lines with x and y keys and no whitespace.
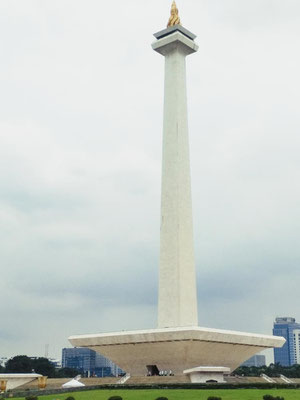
{"x":123,"y":379}
{"x":285,"y":379}
{"x":267,"y":378}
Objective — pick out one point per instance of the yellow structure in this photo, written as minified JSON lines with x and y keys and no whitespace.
{"x":174,"y":18}
{"x":3,"y":383}
{"x":42,"y":382}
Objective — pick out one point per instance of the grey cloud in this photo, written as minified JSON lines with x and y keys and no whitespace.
{"x":80,"y":147}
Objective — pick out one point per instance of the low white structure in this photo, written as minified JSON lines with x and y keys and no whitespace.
{"x":207,"y":374}
{"x":16,"y":380}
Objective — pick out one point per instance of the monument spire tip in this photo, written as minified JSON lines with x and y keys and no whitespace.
{"x":174,"y":18}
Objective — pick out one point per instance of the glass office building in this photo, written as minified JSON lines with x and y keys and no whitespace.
{"x":289,"y":354}
{"x":259,"y":360}
{"x":89,"y":363}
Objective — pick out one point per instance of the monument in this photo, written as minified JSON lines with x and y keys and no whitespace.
{"x":177,"y":301}
{"x":178,"y":344}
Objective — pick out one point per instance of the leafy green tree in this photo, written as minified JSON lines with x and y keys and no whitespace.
{"x":40,"y":365}
{"x":273,"y":370}
{"x":66,"y":373}
{"x":21,"y":364}
{"x":43,"y":366}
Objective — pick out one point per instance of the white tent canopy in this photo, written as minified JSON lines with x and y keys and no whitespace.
{"x":73,"y":384}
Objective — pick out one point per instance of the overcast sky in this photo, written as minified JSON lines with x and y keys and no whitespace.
{"x":81,"y":102}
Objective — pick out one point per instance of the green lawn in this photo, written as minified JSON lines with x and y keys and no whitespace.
{"x":238,"y":394}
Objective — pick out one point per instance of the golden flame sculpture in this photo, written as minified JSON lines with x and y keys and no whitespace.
{"x":3,"y":383}
{"x":42,"y":382}
{"x":174,"y":18}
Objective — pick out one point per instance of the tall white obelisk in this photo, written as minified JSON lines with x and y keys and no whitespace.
{"x":177,"y":303}
{"x":179,"y":344}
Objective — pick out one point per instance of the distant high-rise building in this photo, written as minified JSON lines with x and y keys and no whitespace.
{"x":81,"y":359}
{"x":289,"y":354}
{"x":104,"y":367}
{"x":256,"y":361}
{"x":88,"y":362}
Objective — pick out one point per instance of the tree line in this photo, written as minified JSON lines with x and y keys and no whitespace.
{"x":273,"y":370}
{"x":39,"y":365}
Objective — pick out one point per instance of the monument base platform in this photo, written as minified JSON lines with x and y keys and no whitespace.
{"x":176,"y":349}
{"x":207,"y":374}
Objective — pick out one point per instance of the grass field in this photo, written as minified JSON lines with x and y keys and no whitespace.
{"x":238,"y":394}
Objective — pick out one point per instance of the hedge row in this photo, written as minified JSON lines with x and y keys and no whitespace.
{"x":160,"y":386}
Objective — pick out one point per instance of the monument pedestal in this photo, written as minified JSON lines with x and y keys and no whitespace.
{"x":176,"y":349}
